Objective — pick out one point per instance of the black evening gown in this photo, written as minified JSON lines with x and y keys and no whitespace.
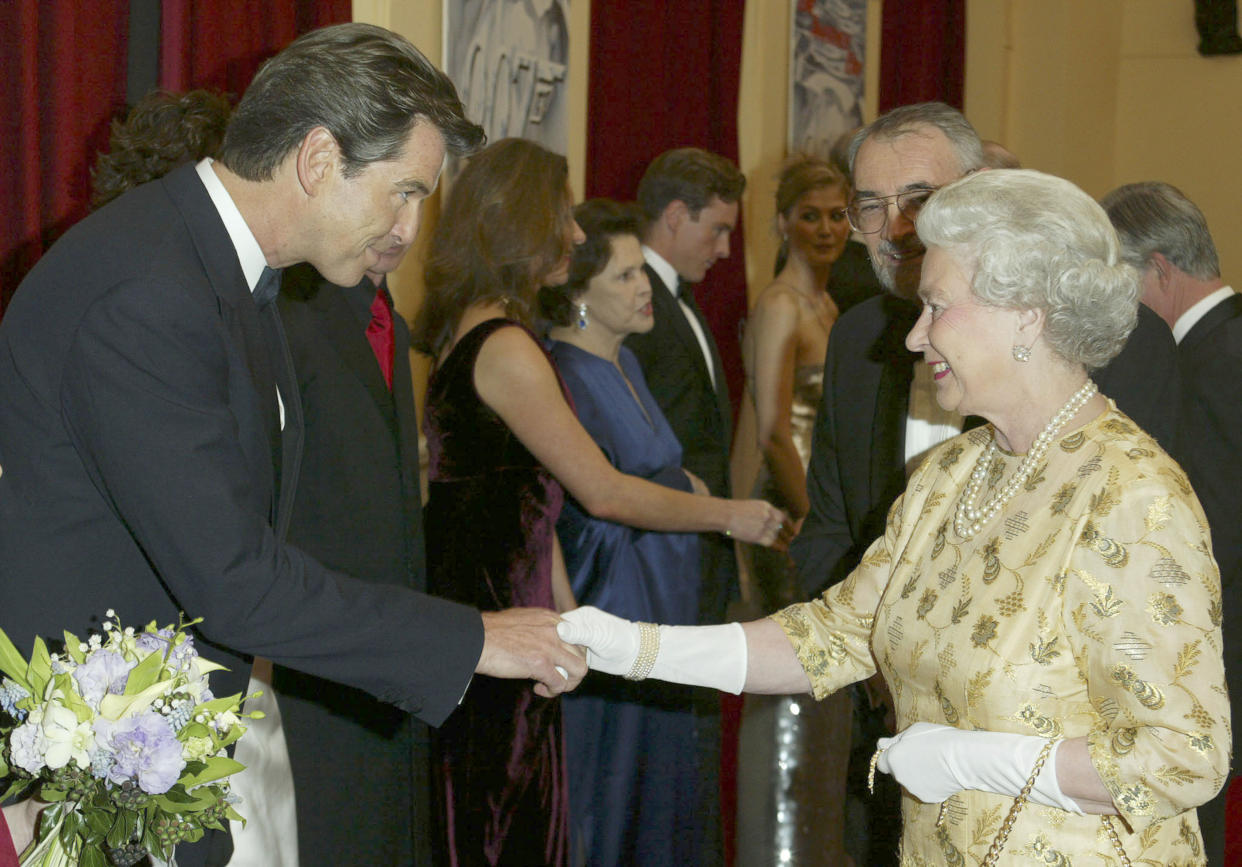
{"x":490,"y":522}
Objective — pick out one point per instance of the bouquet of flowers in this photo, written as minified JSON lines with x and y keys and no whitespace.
{"x":122,"y":737}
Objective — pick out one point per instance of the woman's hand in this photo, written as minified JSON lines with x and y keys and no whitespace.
{"x":611,"y":642}
{"x":934,"y":762}
{"x":756,"y":521}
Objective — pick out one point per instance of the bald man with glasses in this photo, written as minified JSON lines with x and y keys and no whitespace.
{"x":879,"y":416}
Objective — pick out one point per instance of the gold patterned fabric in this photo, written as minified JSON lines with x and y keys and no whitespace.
{"x":1090,"y":606}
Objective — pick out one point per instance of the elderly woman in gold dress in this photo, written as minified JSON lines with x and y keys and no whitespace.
{"x":1043,"y":604}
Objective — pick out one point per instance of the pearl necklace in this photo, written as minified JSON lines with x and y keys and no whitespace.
{"x":970,"y":517}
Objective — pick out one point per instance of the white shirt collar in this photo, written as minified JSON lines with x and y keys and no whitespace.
{"x":1197,"y":311}
{"x":249,"y":253}
{"x":663,"y":269}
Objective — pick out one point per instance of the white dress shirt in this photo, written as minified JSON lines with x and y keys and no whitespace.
{"x":1197,"y":311}
{"x":270,"y":835}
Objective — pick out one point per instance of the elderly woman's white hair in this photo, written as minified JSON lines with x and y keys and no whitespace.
{"x":1036,"y":241}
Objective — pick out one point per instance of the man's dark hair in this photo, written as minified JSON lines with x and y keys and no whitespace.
{"x":690,"y":175}
{"x":366,"y":85}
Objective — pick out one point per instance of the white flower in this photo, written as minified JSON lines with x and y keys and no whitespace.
{"x":66,"y":739}
{"x":196,"y":749}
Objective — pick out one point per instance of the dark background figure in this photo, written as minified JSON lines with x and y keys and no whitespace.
{"x":1165,"y":236}
{"x":690,"y":199}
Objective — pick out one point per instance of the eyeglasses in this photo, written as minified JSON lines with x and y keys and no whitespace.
{"x":870,"y":215}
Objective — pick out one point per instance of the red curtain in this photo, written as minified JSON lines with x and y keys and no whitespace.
{"x":64,"y":77}
{"x":665,"y":75}
{"x":922,"y":52}
{"x":219,"y":44}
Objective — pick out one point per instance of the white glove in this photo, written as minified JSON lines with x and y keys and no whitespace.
{"x":934,"y":761}
{"x":713,"y":656}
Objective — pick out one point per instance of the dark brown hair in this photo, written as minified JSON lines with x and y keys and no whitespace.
{"x":601,"y":220}
{"x":505,"y":224}
{"x":160,"y":132}
{"x":690,"y":175}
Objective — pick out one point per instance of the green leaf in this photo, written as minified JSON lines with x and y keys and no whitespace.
{"x":216,"y":768}
{"x":39,"y":672}
{"x":13,"y":663}
{"x":72,"y":648}
{"x":71,"y":699}
{"x":93,"y":856}
{"x":145,"y":674}
{"x":220,"y":705}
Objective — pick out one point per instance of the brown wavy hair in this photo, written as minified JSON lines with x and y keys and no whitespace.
{"x":505,"y":224}
{"x":160,"y":132}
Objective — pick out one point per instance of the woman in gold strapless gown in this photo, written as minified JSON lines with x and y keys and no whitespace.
{"x":793,"y":753}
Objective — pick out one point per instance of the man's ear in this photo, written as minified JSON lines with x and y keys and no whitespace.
{"x":317,"y":159}
{"x":1163,"y":268}
{"x":675,"y":214}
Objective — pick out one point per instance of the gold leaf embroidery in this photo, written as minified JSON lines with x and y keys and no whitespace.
{"x":1181,"y":776}
{"x":1045,"y":651}
{"x":926,"y":603}
{"x":1061,"y":499}
{"x":960,"y":610}
{"x":984,"y":631}
{"x":1148,"y":695}
{"x":1158,"y":513}
{"x":1122,"y":741}
{"x":1164,"y":609}
{"x":978,"y":683}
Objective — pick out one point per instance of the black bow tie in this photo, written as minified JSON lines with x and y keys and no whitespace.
{"x":268,"y":287}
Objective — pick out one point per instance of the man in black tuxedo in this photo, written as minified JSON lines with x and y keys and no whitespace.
{"x":150,"y":431}
{"x":689,"y":199}
{"x":357,"y":509}
{"x":878,"y":416}
{"x":1165,"y":236}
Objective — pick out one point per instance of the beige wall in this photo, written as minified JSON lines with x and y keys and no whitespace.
{"x":1106,"y":92}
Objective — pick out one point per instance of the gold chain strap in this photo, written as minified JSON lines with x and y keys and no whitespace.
{"x":1112,"y":835}
{"x":1011,"y":818}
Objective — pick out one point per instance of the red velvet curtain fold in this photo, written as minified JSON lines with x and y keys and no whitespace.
{"x":219,"y":44}
{"x":665,"y":75}
{"x":64,"y":78}
{"x":922,"y":52}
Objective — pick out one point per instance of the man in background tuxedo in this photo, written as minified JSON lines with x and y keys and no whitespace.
{"x":689,"y":199}
{"x":150,"y":431}
{"x":1165,"y":236}
{"x":879,"y":415}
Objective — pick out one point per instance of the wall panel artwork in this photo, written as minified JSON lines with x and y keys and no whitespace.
{"x":510,"y":62}
{"x":825,"y":72}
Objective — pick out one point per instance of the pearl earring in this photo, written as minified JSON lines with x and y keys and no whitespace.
{"x":583,"y":322}
{"x":1022,"y":353}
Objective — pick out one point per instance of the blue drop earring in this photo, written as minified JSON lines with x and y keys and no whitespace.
{"x":583,"y":322}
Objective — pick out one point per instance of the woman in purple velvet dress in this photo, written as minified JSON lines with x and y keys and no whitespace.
{"x":503,"y":439}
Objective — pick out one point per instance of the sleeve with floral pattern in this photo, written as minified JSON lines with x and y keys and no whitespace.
{"x":832,"y":634}
{"x":1142,"y":610}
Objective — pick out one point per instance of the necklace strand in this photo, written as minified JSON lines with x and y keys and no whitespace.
{"x":971,"y":517}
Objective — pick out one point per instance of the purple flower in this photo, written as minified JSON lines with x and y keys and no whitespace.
{"x":160,"y":641}
{"x":145,"y":750}
{"x":103,"y":671}
{"x":26,"y":745}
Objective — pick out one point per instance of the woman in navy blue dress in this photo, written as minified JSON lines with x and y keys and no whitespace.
{"x":630,"y":748}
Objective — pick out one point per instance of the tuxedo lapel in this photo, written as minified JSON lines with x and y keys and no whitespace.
{"x":340,"y":326}
{"x":238,"y":311}
{"x":667,"y":308}
{"x":892,"y":396}
{"x":1230,"y":308}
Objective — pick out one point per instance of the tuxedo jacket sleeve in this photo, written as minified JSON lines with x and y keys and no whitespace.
{"x":137,"y":466}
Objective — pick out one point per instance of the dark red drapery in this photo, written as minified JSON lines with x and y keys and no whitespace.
{"x":665,"y":75}
{"x":64,"y":77}
{"x":219,"y":44}
{"x":922,"y":52}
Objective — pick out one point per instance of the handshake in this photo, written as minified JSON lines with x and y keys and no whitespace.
{"x":557,"y":650}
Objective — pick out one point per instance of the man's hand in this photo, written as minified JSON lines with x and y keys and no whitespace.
{"x":522,"y":643}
